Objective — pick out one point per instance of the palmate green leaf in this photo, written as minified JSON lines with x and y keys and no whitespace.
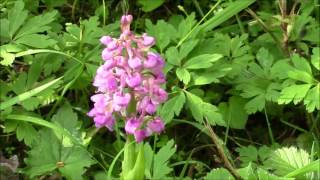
{"x":88,"y":32}
{"x":286,"y":160}
{"x":295,"y":93}
{"x":247,"y":154}
{"x":91,"y":31}
{"x":312,"y":99}
{"x":173,"y":107}
{"x":301,"y":64}
{"x":258,"y":83}
{"x":183,"y":75}
{"x":172,"y":56}
{"x":70,"y":161}
{"x":16,"y":17}
{"x":162,"y":31}
{"x":24,"y":131}
{"x":202,"y":61}
{"x":67,"y":119}
{"x":42,"y":41}
{"x":37,"y":24}
{"x":186,"y":25}
{"x":200,"y":109}
{"x":186,"y":47}
{"x":195,"y":105}
{"x":234,"y":113}
{"x":220,"y":173}
{"x":161,"y":159}
{"x":211,"y":75}
{"x":247,"y":172}
{"x":302,"y":76}
{"x":212,"y":114}
{"x":60,"y":149}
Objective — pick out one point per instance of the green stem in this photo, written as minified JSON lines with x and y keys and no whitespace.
{"x":196,"y":4}
{"x":269,"y":126}
{"x":104,"y":12}
{"x":204,"y":17}
{"x":265,"y":27}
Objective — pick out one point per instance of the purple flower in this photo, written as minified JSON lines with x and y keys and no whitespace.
{"x":135,"y":62}
{"x":105,"y":40}
{"x":147,"y":40}
{"x":131,"y":73}
{"x":134,"y":80}
{"x":106,"y":54}
{"x":151,"y":61}
{"x":140,"y":135}
{"x":132,"y":125}
{"x":156,"y":125}
{"x":121,"y":101}
{"x":112,"y":45}
{"x":107,"y":121}
{"x":104,"y":80}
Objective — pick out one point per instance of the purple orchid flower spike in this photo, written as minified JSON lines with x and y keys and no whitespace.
{"x":131,"y":73}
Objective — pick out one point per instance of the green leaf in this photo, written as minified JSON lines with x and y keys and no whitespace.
{"x":265,"y":175}
{"x":312,"y":99}
{"x":27,"y":94}
{"x":172,"y":107}
{"x":33,"y":73}
{"x":210,"y":76}
{"x":16,"y":17}
{"x":70,"y":161}
{"x":248,"y":154}
{"x":247,"y":172}
{"x":42,"y":41}
{"x":162,"y":31}
{"x":302,"y":76}
{"x":286,"y":160}
{"x":186,"y":25}
{"x":4,"y":29}
{"x":202,"y":61}
{"x":187,"y":47}
{"x":7,"y":58}
{"x":220,"y":173}
{"x":183,"y":75}
{"x":31,"y":103}
{"x":264,"y":58}
{"x":295,"y":93}
{"x":172,"y":56}
{"x":212,"y":114}
{"x":57,"y":129}
{"x":259,"y":83}
{"x":195,"y":105}
{"x":161,"y":159}
{"x":37,"y":24}
{"x":150,"y":5}
{"x":315,"y":58}
{"x":67,"y":119}
{"x":26,"y":132}
{"x":301,"y":64}
{"x":234,"y":113}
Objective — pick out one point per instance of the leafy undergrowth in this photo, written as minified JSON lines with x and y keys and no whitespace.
{"x":243,"y":79}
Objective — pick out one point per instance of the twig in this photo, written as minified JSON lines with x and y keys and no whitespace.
{"x":223,"y":157}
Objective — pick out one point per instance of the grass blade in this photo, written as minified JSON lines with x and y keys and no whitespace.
{"x":27,"y":94}
{"x":225,"y":14}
